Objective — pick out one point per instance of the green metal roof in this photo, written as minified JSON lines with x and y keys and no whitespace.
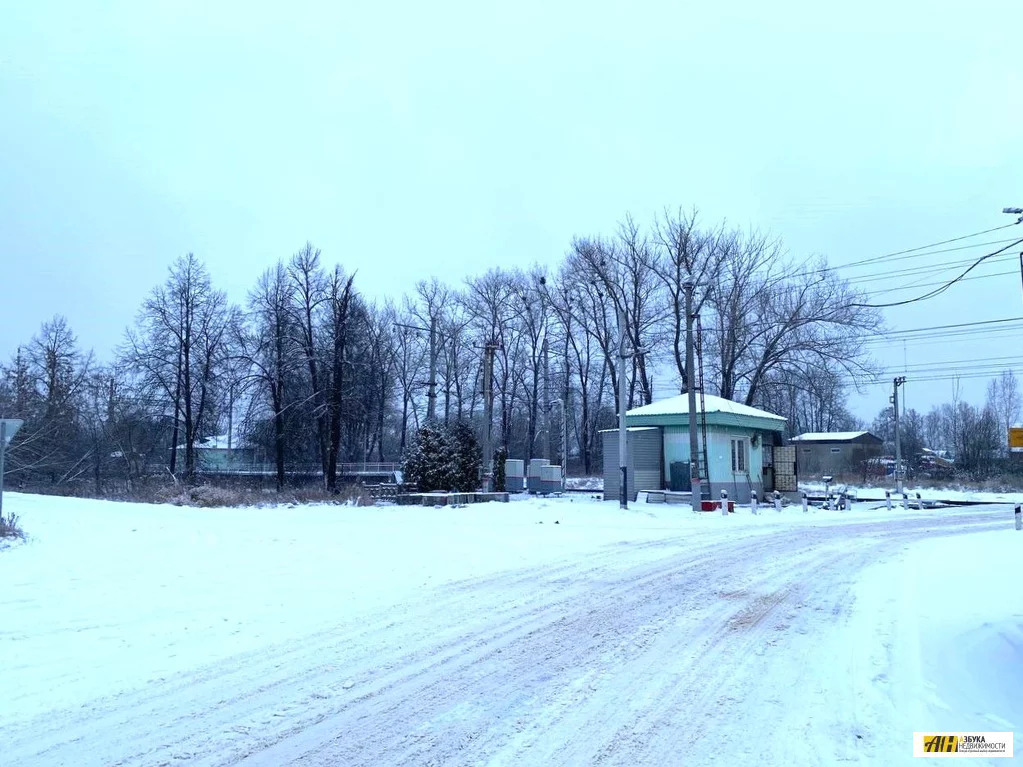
{"x":674,"y":411}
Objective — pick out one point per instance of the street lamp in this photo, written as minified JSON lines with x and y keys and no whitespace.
{"x":1017,"y":212}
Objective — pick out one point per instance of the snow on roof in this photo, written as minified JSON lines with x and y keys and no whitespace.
{"x":628,"y":428}
{"x":679,"y":405}
{"x":218,"y":442}
{"x":831,"y":436}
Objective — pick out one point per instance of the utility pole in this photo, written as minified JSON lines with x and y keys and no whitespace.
{"x":623,"y":454}
{"x":567,"y":399}
{"x":8,"y":428}
{"x":230,"y":417}
{"x":3,"y":449}
{"x":898,"y":445}
{"x":548,"y":453}
{"x":564,"y":440}
{"x":431,"y":390}
{"x":488,"y":415}
{"x":431,"y":395}
{"x":694,"y":444}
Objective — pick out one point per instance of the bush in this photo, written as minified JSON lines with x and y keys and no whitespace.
{"x":207,"y":496}
{"x":467,"y":457}
{"x":443,"y":459}
{"x":212,"y":496}
{"x":9,"y":527}
{"x":500,"y":478}
{"x":161,"y":490}
{"x":427,"y":460}
{"x":355,"y":496}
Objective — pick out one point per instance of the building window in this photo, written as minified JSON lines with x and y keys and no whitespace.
{"x":740,"y":456}
{"x":836,"y":450}
{"x":806,"y":451}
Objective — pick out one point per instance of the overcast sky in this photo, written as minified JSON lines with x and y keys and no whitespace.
{"x":412,"y":139}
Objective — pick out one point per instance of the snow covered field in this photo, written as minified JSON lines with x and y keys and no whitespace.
{"x":558,"y":631}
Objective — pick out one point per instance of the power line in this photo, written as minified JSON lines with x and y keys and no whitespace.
{"x":883,"y":376}
{"x":892,"y":256}
{"x":897,"y":335}
{"x":951,"y":375}
{"x":945,"y":286}
{"x":943,"y":364}
{"x":936,"y":338}
{"x":925,"y":269}
{"x":931,"y":284}
{"x":959,"y":325}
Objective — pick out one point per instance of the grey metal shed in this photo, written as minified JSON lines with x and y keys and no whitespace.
{"x":646,"y":459}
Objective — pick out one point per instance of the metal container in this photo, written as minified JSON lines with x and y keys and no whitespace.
{"x":533,"y":476}
{"x":514,"y":475}
{"x":550,"y":479}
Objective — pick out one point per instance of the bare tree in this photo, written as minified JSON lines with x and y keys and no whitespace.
{"x":408,"y":360}
{"x":339,"y":304}
{"x":683,"y":255}
{"x":179,"y":345}
{"x":618,"y":275}
{"x":381,"y":356}
{"x":47,"y":386}
{"x":310,"y":293}
{"x":811,"y":397}
{"x":269,"y":344}
{"x":770,"y":315}
{"x":1005,"y":401}
{"x":491,"y":304}
{"x":530,"y":324}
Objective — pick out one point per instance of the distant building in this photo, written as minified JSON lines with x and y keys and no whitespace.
{"x":213,"y":454}
{"x":934,"y":464}
{"x":739,"y":455}
{"x":842,"y":454}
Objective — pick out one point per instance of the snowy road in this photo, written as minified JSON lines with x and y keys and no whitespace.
{"x":709,"y":646}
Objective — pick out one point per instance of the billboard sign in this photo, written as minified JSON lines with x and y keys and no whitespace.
{"x":1016,"y":439}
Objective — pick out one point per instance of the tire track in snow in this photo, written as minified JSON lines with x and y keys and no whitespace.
{"x":284,"y":680}
{"x":462,"y":743}
{"x":564,"y":641}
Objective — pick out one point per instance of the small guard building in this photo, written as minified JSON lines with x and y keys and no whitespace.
{"x":742,"y":452}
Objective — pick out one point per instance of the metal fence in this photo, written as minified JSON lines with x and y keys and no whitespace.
{"x":366,"y":469}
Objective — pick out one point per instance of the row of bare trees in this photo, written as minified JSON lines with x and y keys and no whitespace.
{"x":309,"y":373}
{"x":973,"y":437}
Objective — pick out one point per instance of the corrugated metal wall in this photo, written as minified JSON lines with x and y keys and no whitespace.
{"x":645,"y":462}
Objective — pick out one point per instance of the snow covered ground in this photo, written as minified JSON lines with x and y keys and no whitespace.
{"x":560,"y":631}
{"x":596,"y":484}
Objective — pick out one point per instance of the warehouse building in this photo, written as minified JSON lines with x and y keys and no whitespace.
{"x":844,"y":455}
